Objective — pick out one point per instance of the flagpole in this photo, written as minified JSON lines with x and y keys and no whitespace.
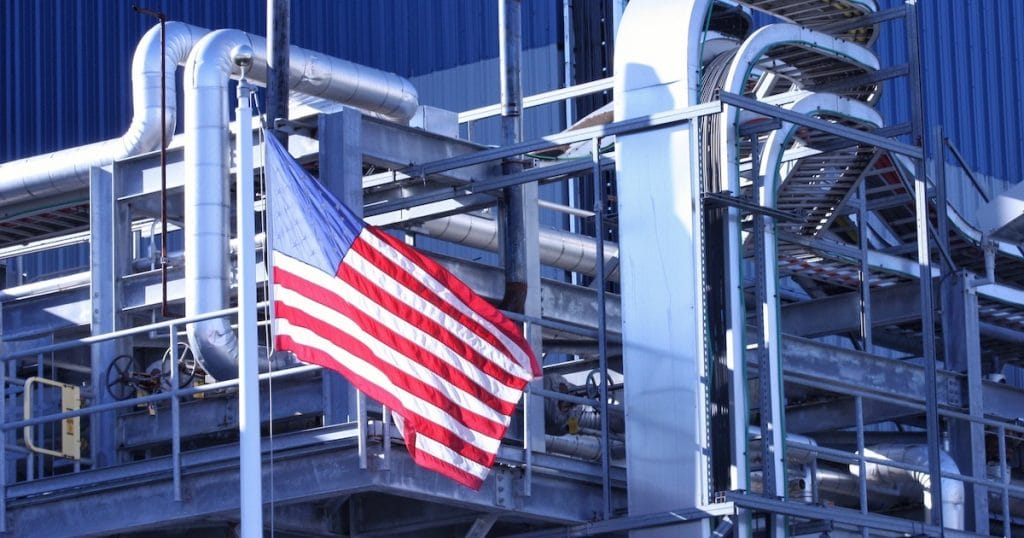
{"x":250,"y":468}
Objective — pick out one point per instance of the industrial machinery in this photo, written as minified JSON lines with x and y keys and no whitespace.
{"x":775,"y":324}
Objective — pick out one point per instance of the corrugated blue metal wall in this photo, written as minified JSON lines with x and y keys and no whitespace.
{"x":973,"y":69}
{"x":65,"y":63}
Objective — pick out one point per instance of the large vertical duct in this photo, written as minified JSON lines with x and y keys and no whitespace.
{"x":657,"y":69}
{"x":66,"y":171}
{"x":207,"y":202}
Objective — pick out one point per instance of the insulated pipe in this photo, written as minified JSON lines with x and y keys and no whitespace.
{"x":587,"y":447}
{"x":44,"y":287}
{"x":565,"y":250}
{"x":907,"y":482}
{"x":207,"y":203}
{"x":67,"y":170}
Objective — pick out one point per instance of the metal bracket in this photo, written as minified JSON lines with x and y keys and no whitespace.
{"x":294,"y":127}
{"x":507,"y":487}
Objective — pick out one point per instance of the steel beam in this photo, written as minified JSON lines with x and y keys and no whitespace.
{"x":839,"y":515}
{"x":309,"y":467}
{"x":389,"y":145}
{"x":214,"y":414}
{"x":840,"y":314}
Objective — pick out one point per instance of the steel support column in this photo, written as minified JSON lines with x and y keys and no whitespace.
{"x":963,"y":354}
{"x":341,"y":171}
{"x":110,"y":248}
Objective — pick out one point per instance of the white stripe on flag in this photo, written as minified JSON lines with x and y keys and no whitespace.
{"x":386,"y":353}
{"x":519,"y":368}
{"x":371,"y":374}
{"x":401,"y":326}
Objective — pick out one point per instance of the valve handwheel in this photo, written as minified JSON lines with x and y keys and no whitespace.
{"x":186,"y":367}
{"x":120,"y":377}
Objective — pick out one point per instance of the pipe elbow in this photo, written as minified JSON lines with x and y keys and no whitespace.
{"x":216,"y":346}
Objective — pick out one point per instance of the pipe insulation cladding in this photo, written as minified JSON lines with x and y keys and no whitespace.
{"x":207,"y":161}
{"x":67,"y":170}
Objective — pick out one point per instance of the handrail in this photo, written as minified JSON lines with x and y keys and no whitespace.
{"x":543,"y":98}
{"x":88,"y":340}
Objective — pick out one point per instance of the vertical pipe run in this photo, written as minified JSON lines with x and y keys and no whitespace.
{"x":175,"y":414}
{"x":924,"y":261}
{"x":385,"y":418}
{"x":251,"y":494}
{"x":602,"y":341}
{"x":278,"y":26}
{"x":361,"y":428}
{"x":165,"y":311}
{"x":510,"y":57}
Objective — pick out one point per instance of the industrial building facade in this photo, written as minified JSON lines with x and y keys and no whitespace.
{"x":771,"y":252}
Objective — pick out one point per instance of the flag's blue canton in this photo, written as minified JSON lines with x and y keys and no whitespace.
{"x":310,"y":223}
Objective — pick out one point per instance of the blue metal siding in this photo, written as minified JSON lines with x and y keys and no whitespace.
{"x":972,"y":68}
{"x":65,"y":63}
{"x":972,"y":62}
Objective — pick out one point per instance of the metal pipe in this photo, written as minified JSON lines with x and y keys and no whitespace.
{"x":514,"y":237}
{"x":43,"y":287}
{"x":558,"y":248}
{"x":207,"y":71}
{"x":67,"y":170}
{"x":586,"y":447}
{"x":278,"y":29}
{"x":175,"y":414}
{"x":907,"y":482}
{"x":602,"y":335}
{"x":163,"y":152}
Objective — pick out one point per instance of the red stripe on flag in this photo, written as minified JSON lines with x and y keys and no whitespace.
{"x":410,"y":383}
{"x":419,"y":423}
{"x":403,"y":344}
{"x":417,"y":318}
{"x":476,"y":303}
{"x":429,"y":461}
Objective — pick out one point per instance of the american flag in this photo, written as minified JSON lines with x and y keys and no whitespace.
{"x":397,"y":325}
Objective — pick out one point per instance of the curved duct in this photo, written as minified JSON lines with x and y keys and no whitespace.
{"x":823,"y":14}
{"x":803,"y":57}
{"x":68,"y":170}
{"x":564,"y":250}
{"x":909,"y":483}
{"x":207,"y":194}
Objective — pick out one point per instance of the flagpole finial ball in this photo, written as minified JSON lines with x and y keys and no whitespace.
{"x":242,"y":56}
